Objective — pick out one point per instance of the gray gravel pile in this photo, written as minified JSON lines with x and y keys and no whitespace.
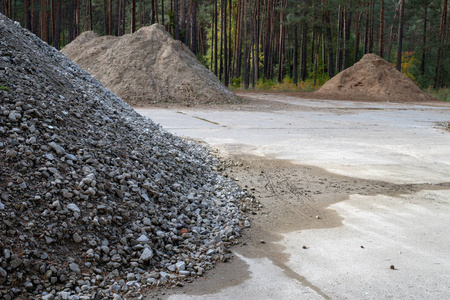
{"x":97,"y":202}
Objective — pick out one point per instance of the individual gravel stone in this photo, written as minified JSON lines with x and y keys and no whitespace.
{"x":75,"y":267}
{"x":73,"y":207}
{"x":76,"y":238}
{"x":3,"y":275}
{"x":143,"y":238}
{"x":57,"y":148}
{"x":15,"y":263}
{"x":147,"y":254}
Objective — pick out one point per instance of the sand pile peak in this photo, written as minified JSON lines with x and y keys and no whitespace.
{"x":147,"y":67}
{"x":373,"y":78}
{"x":95,"y":199}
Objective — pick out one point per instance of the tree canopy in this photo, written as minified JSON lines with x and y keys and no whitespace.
{"x":246,"y":42}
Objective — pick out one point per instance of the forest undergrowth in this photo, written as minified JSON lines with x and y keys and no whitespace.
{"x":287,"y":85}
{"x":308,"y":86}
{"x":443,"y":93}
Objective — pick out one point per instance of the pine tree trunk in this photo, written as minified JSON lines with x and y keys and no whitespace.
{"x":316,"y":61}
{"x":330,"y":44}
{"x":225,"y":41}
{"x":123,"y":16}
{"x":183,"y":15}
{"x":52,"y":20}
{"x":140,"y":13}
{"x":187,"y":27}
{"x":193,"y":29}
{"x":272,"y":46}
{"x":366,"y":33}
{"x":27,"y":15}
{"x":57,"y":25}
{"x":116,"y":18}
{"x":43,"y":21}
{"x":257,"y":36}
{"x":246,"y":54}
{"x":391,"y":36}
{"x":230,"y":49}
{"x":338,"y":40}
{"x":105,"y":17}
{"x":213,"y":33}
{"x":162,"y":12}
{"x":442,"y":49}
{"x":176,"y":19}
{"x":133,"y":16}
{"x":77,"y":18}
{"x":71,"y":21}
{"x":5,"y":9}
{"x":347,"y":27}
{"x":304,"y":53}
{"x":237,"y":41}
{"x":255,"y":43}
{"x":295,"y":66}
{"x":372,"y":18}
{"x":32,"y":18}
{"x":251,"y":43}
{"x":424,"y":38}
{"x":110,"y":18}
{"x":153,"y":20}
{"x":381,"y":44}
{"x":313,"y":45}
{"x":324,"y":65}
{"x":221,"y":41}
{"x":400,"y":36}
{"x":144,"y":20}
{"x":216,"y":38}
{"x":281,"y":43}
{"x":267,"y":40}
{"x":155,"y":8}
{"x":119,"y":20}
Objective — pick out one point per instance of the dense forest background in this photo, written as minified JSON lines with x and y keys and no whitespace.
{"x":257,"y":42}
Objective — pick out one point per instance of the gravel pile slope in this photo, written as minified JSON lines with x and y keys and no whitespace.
{"x":97,"y":202}
{"x":148,"y":67}
{"x":373,"y":78}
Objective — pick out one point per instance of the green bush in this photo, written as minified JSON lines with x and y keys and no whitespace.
{"x":443,"y":94}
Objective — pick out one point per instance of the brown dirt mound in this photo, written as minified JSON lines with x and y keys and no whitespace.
{"x":148,"y":67}
{"x":373,"y":78}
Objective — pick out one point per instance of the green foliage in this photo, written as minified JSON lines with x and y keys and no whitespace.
{"x":410,"y":65}
{"x":298,"y":15}
{"x":443,"y":94}
{"x":286,"y":86}
{"x":203,"y":59}
{"x":235,"y":83}
{"x":265,"y":84}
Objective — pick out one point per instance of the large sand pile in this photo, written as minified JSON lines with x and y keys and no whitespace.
{"x":373,"y":78}
{"x":146,"y":67}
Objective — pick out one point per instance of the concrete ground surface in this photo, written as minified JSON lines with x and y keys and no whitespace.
{"x":355,"y":198}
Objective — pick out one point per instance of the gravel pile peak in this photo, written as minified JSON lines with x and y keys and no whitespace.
{"x":97,"y":202}
{"x":148,"y":67}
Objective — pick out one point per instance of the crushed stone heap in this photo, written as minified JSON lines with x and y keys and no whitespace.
{"x":95,"y":199}
{"x":373,"y":78}
{"x":148,"y":66}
